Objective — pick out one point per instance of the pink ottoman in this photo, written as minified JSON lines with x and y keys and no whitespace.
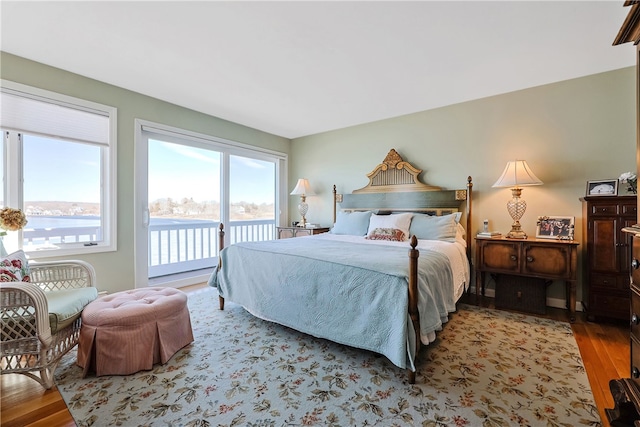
{"x":130,"y":331}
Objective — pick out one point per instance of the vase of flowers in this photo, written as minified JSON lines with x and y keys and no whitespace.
{"x":10,"y":220}
{"x":631,"y":180}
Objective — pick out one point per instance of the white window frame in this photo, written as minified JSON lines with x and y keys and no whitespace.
{"x":13,"y":159}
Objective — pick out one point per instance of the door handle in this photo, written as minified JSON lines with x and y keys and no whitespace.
{"x":145,"y":217}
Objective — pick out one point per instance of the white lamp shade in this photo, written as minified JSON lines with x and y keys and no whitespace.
{"x":303,"y":188}
{"x":517,"y":174}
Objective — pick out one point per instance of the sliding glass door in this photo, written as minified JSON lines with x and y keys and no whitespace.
{"x":186,"y":186}
{"x":252,"y":199}
{"x":184,"y":206}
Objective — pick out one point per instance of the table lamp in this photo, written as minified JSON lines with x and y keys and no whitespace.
{"x":303,"y":189}
{"x":517,"y":174}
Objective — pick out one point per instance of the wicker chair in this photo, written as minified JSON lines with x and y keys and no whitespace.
{"x":34,"y":339}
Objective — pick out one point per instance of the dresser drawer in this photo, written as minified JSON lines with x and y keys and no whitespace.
{"x":635,"y":361}
{"x":635,"y":260}
{"x":602,"y":209}
{"x":609,"y":281}
{"x":635,"y":313}
{"x":609,"y":305}
{"x":631,"y":210}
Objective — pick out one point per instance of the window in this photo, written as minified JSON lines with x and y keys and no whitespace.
{"x":58,"y":166}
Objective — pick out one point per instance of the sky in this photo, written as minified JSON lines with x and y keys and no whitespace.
{"x":46,"y":166}
{"x":179,"y":171}
{"x":175,"y":171}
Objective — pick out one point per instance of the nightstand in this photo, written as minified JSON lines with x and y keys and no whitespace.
{"x":548,"y":259}
{"x":289,"y":232}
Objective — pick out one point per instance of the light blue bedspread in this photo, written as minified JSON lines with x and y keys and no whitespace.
{"x":350,"y":293}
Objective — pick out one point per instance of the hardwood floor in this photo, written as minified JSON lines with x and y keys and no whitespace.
{"x":604,"y":348}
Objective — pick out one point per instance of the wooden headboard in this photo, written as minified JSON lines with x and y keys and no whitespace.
{"x":394,"y":186}
{"x":394,"y":174}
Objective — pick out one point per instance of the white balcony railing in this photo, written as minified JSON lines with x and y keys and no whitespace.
{"x":184,"y":246}
{"x":173,"y":248}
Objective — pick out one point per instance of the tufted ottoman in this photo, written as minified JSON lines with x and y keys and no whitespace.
{"x":130,"y":331}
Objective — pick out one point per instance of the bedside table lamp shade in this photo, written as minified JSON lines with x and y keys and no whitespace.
{"x":303,"y":189}
{"x":517,"y":174}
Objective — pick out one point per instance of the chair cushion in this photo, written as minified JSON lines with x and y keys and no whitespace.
{"x":65,"y":306}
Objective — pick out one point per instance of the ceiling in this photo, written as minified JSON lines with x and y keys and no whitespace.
{"x":299,"y":68}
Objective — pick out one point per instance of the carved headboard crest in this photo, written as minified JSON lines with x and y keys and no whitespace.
{"x":394,"y":174}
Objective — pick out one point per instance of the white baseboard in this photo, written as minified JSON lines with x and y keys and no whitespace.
{"x":551,"y":302}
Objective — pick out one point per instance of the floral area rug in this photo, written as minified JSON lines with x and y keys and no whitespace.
{"x":486,"y":368}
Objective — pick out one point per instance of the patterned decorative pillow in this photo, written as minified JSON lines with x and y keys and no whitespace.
{"x":391,"y":234}
{"x":15,"y":268}
{"x":398,"y":221}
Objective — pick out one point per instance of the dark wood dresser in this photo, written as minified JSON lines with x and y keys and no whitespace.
{"x":626,"y":391}
{"x":606,"y":266}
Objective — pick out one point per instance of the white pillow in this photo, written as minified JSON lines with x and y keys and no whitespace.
{"x":398,"y":221}
{"x":352,"y":223}
{"x":431,"y":227}
{"x":460,"y":235}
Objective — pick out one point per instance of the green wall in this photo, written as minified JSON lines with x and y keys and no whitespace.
{"x":568,"y":132}
{"x":115,"y":270}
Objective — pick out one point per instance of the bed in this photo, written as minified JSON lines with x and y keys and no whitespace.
{"x":384,"y":279}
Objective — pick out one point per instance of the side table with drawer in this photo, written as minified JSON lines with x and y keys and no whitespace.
{"x":548,"y":259}
{"x":290,"y":232}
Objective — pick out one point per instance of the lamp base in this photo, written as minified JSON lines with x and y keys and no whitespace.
{"x":516,"y":232}
{"x":303,"y":208}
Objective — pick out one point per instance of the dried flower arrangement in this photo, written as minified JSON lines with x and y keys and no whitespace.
{"x":11,"y":220}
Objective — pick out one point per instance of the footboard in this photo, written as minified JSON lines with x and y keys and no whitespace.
{"x":413,"y":300}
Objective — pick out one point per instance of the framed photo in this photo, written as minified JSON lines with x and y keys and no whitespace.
{"x":555,"y":227}
{"x":603,"y":187}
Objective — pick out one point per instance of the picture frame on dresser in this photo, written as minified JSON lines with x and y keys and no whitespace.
{"x":555,"y":227}
{"x":602,"y":187}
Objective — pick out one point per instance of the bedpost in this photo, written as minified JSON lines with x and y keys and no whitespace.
{"x":413,"y":300}
{"x":220,"y":247}
{"x":469,"y":222}
{"x":220,"y":237}
{"x":335,"y":201}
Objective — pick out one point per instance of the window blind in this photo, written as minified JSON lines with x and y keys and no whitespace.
{"x":39,"y":115}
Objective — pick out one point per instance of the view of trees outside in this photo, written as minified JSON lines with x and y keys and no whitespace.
{"x":189,"y":208}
